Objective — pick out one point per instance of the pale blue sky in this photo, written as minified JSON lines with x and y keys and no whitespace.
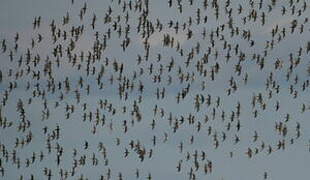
{"x":293,"y":163}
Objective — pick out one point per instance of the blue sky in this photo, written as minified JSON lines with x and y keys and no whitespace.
{"x":291,"y":163}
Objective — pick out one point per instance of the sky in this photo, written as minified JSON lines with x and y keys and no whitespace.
{"x":291,"y":163}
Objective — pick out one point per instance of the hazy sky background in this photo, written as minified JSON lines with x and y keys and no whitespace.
{"x":292,"y":163}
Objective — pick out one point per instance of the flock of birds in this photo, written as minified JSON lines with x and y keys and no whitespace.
{"x":132,"y":92}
